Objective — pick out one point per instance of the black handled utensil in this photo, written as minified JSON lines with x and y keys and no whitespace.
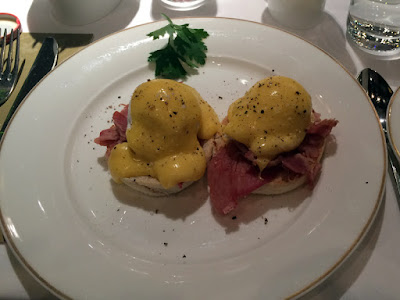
{"x":45,"y":61}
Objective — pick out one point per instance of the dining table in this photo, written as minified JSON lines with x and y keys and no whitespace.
{"x":372,"y":270}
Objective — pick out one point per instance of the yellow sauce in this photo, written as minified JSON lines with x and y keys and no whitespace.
{"x":272,"y":117}
{"x":168,"y":118}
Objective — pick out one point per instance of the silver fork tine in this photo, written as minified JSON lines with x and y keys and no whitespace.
{"x":16,"y":60}
{"x":10,"y":51}
{"x":9,"y":79}
{"x":3,"y":45}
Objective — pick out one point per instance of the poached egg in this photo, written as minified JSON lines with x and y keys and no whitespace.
{"x":272,"y":117}
{"x":166,"y":120}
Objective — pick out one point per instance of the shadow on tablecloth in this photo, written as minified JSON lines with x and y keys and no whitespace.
{"x":327,"y":35}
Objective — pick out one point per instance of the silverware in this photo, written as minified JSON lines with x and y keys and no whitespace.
{"x":44,"y":63}
{"x":380,"y":93}
{"x":8,"y":77}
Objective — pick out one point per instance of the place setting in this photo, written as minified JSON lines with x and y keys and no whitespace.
{"x":193,"y":158}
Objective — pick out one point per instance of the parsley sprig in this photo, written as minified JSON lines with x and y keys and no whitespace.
{"x":185,"y":47}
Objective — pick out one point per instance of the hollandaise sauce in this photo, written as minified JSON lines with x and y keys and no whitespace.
{"x":167,"y":119}
{"x":272,"y":117}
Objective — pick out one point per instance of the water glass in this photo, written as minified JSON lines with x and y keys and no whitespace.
{"x":374,"y":25}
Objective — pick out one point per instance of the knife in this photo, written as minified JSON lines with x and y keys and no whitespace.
{"x":44,"y":62}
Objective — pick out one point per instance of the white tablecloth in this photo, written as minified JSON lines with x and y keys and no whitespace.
{"x":373,"y":271}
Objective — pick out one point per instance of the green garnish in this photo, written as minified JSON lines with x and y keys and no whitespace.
{"x":185,"y":47}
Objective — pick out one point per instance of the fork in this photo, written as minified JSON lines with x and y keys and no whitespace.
{"x":8,"y":78}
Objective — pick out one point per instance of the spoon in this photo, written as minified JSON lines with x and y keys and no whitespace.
{"x":380,"y":93}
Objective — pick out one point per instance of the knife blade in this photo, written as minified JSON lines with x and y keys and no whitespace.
{"x":44,"y":62}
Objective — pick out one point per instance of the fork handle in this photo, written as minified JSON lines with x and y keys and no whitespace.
{"x":27,"y":86}
{"x":44,"y":63}
{"x":395,"y":166}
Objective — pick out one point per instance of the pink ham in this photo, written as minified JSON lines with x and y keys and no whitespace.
{"x":303,"y":165}
{"x":232,"y":175}
{"x":116,"y":133}
{"x":107,"y":136}
{"x":120,"y":120}
{"x":312,"y":145}
{"x":322,"y":128}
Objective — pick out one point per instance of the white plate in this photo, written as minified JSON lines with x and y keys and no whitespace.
{"x":393,"y":122}
{"x":84,"y":237}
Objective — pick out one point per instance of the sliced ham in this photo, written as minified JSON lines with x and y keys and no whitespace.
{"x":120,"y":120}
{"x":303,"y":165}
{"x":232,"y":175}
{"x":107,"y":136}
{"x":116,"y":133}
{"x":311,"y":145}
{"x":322,"y":128}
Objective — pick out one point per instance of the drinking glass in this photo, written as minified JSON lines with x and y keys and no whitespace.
{"x":374,"y":25}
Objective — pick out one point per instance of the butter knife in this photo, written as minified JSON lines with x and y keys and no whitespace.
{"x":44,"y":62}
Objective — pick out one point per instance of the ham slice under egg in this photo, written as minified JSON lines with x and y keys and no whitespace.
{"x":233,"y":175}
{"x":116,"y":133}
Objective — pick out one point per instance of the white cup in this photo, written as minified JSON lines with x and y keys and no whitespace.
{"x":300,"y":14}
{"x":182,"y":5}
{"x":81,"y":12}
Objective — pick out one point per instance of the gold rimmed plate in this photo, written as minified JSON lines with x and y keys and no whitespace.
{"x":83,"y":236}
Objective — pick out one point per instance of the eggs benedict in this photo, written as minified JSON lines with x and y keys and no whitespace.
{"x":271,"y":118}
{"x":167,"y":122}
{"x":274,"y":143}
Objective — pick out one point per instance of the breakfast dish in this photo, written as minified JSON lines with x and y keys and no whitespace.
{"x":74,"y":228}
{"x":154,"y":145}
{"x":275,"y":141}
